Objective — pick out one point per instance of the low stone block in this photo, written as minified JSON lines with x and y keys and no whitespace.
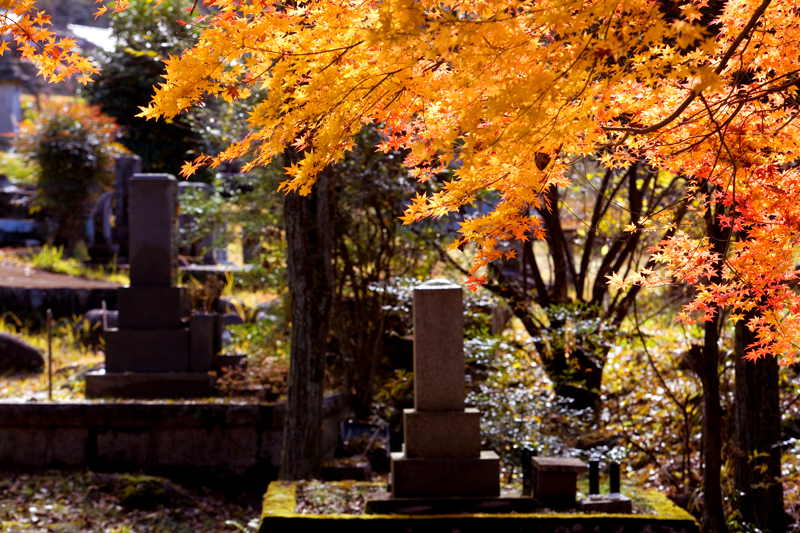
{"x":442,"y":433}
{"x":182,"y":447}
{"x":151,"y":307}
{"x":201,"y":342}
{"x":148,"y":386}
{"x":555,"y":480}
{"x":271,"y":446}
{"x":446,"y":477}
{"x":156,"y":350}
{"x":607,"y":503}
{"x":67,"y":447}
{"x":23,"y":447}
{"x":242,"y":449}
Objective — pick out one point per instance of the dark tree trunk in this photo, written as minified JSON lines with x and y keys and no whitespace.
{"x":757,"y":462}
{"x":309,"y":240}
{"x":707,"y":367}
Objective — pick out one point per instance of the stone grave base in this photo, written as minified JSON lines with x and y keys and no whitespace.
{"x":606,"y":503}
{"x":461,"y":477}
{"x":232,"y":446}
{"x":149,"y":386}
{"x":280,"y":515}
{"x":438,"y":506}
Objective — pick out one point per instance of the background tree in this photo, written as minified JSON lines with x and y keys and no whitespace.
{"x":371,"y":249}
{"x":74,"y":147}
{"x":146,"y":35}
{"x":558,"y":287}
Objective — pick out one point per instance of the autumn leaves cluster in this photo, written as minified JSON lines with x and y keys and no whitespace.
{"x":485,"y":91}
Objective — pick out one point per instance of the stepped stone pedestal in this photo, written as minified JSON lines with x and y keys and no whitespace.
{"x":153,"y":354}
{"x":442,"y":456}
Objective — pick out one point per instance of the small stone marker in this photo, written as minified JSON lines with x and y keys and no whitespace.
{"x":614,"y":502}
{"x":442,"y":454}
{"x":555,"y":480}
{"x":594,"y":477}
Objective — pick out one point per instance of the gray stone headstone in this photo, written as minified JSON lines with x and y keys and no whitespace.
{"x":438,"y":347}
{"x":442,"y":456}
{"x":153,"y":230}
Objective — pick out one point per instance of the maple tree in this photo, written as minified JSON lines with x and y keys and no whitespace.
{"x":511,"y":94}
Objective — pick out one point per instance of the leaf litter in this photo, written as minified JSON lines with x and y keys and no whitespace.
{"x":86,"y":502}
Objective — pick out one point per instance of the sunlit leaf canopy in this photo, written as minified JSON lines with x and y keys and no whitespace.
{"x":57,"y":59}
{"x":509,"y":93}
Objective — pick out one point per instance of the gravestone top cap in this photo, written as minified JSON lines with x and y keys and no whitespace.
{"x":559,"y":464}
{"x":439,"y":284}
{"x":153,"y":177}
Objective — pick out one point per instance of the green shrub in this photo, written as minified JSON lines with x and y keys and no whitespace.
{"x":74,"y":147}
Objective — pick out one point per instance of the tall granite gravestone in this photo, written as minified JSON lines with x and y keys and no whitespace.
{"x":152,"y":354}
{"x":442,"y":454}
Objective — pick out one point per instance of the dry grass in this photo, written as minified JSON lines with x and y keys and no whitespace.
{"x":70,"y":358}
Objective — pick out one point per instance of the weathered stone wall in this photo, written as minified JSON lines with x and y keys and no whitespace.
{"x":233,"y":445}
{"x":33,"y":303}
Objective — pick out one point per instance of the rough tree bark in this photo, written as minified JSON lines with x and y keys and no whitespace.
{"x":757,"y":462}
{"x":309,"y":240}
{"x":706,"y":365}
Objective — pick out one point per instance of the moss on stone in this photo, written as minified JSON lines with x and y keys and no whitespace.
{"x":281,"y":499}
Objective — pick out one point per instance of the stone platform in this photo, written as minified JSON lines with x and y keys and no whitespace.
{"x":226,"y":445}
{"x":438,"y":506}
{"x":144,"y":386}
{"x":279,"y":516}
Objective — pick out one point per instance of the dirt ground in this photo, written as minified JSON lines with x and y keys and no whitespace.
{"x":86,"y":502}
{"x":31,"y":278}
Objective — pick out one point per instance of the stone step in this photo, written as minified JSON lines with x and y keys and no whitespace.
{"x":446,"y":477}
{"x":147,"y":350}
{"x":151,"y":307}
{"x":439,"y":434}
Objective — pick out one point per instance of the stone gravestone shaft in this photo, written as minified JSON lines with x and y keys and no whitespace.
{"x":153,"y":228}
{"x":152,"y":354}
{"x":150,"y":337}
{"x":438,"y":347}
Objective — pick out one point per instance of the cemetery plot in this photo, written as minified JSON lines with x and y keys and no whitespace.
{"x":300,"y":506}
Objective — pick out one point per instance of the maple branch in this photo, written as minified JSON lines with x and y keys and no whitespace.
{"x":694,"y":94}
{"x":592,"y":231}
{"x":622,"y":310}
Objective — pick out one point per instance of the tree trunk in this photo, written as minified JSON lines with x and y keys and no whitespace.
{"x":757,"y":461}
{"x":707,"y":367}
{"x":309,"y":239}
